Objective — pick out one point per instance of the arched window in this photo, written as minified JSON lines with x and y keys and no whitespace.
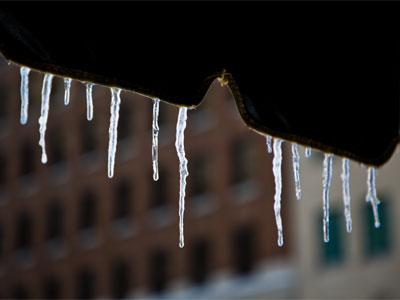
{"x":244,"y":249}
{"x":199,"y":261}
{"x":122,"y":203}
{"x":121,"y":277}
{"x":158,"y":271}
{"x":20,"y":292}
{"x":54,"y":220}
{"x":24,"y":231}
{"x":85,"y":284}
{"x":27,"y":159}
{"x":52,"y":288}
{"x":87,"y":210}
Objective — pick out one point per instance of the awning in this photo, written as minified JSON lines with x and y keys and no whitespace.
{"x":321,"y":74}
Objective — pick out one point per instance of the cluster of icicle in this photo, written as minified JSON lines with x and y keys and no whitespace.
{"x":274,"y":146}
{"x":371,"y":197}
{"x":113,"y":129}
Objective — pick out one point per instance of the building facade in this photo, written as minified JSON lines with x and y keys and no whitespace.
{"x":68,"y":231}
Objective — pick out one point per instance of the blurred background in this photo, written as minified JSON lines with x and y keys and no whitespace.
{"x":68,"y":231}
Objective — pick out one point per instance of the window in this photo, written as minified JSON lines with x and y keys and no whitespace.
{"x":24,"y":231}
{"x":27,"y":159}
{"x":244,"y":250}
{"x":85,"y":284}
{"x":56,"y":145}
{"x":4,"y":101}
{"x":199,"y":174}
{"x":125,"y":122}
{"x":52,"y":288}
{"x":54,"y":220}
{"x":20,"y":292}
{"x":241,"y":161}
{"x":57,"y":92}
{"x":332,"y":252}
{"x":87,"y":210}
{"x":1,"y":246}
{"x":122,"y":205}
{"x":199,"y":262}
{"x":158,"y":271}
{"x":3,"y":170}
{"x":120,"y":280}
{"x":89,"y":139}
{"x":159,"y":190}
{"x":377,"y":240}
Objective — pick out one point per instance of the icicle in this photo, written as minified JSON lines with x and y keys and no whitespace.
{"x":89,"y":101}
{"x":326,"y":182}
{"x":155,"y":130}
{"x":308,"y":152}
{"x":371,"y":195}
{"x":346,"y":192}
{"x":276,"y":168}
{"x":180,"y":149}
{"x":67,"y":88}
{"x":296,"y":167}
{"x":24,"y":94}
{"x":269,"y":143}
{"x":44,"y":113}
{"x":112,"y":131}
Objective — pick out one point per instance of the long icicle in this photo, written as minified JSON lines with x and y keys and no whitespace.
{"x":269,"y":143}
{"x":183,"y":170}
{"x":24,"y":94}
{"x":44,"y":113}
{"x":371,"y":195}
{"x":89,"y":101}
{"x":155,"y":130}
{"x":112,"y":131}
{"x":276,"y":168}
{"x":67,"y":88}
{"x":326,"y":182}
{"x":346,"y":192}
{"x":296,"y":170}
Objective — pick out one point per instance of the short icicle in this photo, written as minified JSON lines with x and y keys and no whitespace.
{"x":112,"y":131}
{"x":308,"y":152}
{"x":89,"y":101}
{"x":371,"y":195}
{"x":296,"y":170}
{"x":44,"y":113}
{"x":183,"y":170}
{"x":277,"y":170}
{"x":67,"y":88}
{"x":346,"y":192}
{"x":155,"y":130}
{"x":24,"y":94}
{"x":326,"y":182}
{"x":269,"y":143}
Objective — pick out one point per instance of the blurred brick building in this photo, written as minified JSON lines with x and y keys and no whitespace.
{"x":67,"y":231}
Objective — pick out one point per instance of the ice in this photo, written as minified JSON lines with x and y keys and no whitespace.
{"x":346,"y":192}
{"x":67,"y":88}
{"x":269,"y":143}
{"x":183,"y":171}
{"x":155,"y":130}
{"x":276,"y":168}
{"x":89,"y":101}
{"x":326,"y":182}
{"x":308,"y":152}
{"x":296,"y":170}
{"x":371,"y":195}
{"x":44,"y":113}
{"x":24,"y":94}
{"x":112,"y":132}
